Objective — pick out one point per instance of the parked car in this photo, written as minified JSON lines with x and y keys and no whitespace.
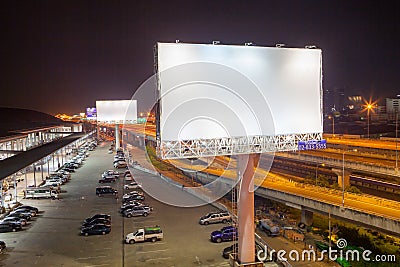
{"x":110,"y":173}
{"x":107,"y":179}
{"x":132,"y":193}
{"x":133,"y":197}
{"x":58,"y":177}
{"x":20,"y":215}
{"x":137,"y":211}
{"x":96,"y":221}
{"x":120,"y":164}
{"x":133,"y":185}
{"x":133,"y":202}
{"x":98,"y":215}
{"x":22,"y":221}
{"x":96,"y":229}
{"x":215,"y":217}
{"x":128,"y":176}
{"x":9,"y":227}
{"x":132,"y":205}
{"x":227,"y":233}
{"x":26,"y":210}
{"x":29,"y":207}
{"x":119,"y":159}
{"x":68,"y":169}
{"x":106,"y":190}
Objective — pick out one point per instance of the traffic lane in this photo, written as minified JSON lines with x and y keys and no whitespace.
{"x":185,"y":242}
{"x":54,"y":240}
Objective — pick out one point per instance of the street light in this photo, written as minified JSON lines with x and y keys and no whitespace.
{"x":343,"y":181}
{"x":397,"y":118}
{"x":369,"y":107}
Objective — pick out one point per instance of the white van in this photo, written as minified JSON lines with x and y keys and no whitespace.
{"x":40,"y":193}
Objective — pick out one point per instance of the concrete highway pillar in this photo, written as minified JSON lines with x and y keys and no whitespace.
{"x":340,"y":179}
{"x":98,"y":131}
{"x":34,"y":175}
{"x":141,"y":141}
{"x":306,"y":217}
{"x":117,"y":137}
{"x":246,"y":238}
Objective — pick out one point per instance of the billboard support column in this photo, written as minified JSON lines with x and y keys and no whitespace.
{"x":98,"y":131}
{"x":246,"y":166}
{"x":117,"y":137}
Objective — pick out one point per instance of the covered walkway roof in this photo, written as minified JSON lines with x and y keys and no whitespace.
{"x":13,"y":164}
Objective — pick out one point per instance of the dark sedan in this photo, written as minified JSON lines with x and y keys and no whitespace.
{"x":99,"y":215}
{"x":29,"y":207}
{"x":96,"y":229}
{"x":20,"y":215}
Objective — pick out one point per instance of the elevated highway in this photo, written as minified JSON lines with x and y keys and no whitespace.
{"x":377,"y":212}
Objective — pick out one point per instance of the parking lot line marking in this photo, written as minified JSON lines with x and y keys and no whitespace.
{"x":147,"y":222}
{"x":153,"y":244}
{"x":154,"y":259}
{"x":103,"y":249}
{"x":151,"y":251}
{"x":94,"y":257}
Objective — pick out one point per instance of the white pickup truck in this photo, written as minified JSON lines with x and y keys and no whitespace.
{"x":145,"y":234}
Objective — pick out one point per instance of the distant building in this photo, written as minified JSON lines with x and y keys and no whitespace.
{"x":334,"y":99}
{"x":393,"y":105}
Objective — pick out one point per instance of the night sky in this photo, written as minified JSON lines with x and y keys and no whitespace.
{"x":62,"y":56}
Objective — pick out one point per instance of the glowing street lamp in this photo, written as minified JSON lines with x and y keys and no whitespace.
{"x":369,"y":106}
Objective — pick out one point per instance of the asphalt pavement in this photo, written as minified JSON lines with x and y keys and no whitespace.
{"x":52,"y":238}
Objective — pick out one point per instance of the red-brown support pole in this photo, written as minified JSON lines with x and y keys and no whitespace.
{"x":246,"y":239}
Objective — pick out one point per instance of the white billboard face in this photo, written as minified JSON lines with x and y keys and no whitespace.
{"x":117,"y":111}
{"x":219,"y":91}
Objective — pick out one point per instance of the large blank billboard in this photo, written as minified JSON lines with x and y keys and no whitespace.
{"x":223,"y":91}
{"x":117,"y":111}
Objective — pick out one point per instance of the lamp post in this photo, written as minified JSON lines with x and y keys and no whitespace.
{"x":343,"y":180}
{"x":369,"y":107}
{"x":397,"y":117}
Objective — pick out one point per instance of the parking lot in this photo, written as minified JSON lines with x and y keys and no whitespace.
{"x":53,"y":239}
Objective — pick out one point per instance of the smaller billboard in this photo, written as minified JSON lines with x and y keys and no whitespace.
{"x":91,"y":113}
{"x":117,"y":111}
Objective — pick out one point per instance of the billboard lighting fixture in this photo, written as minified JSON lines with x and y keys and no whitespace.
{"x":280,"y":45}
{"x":177,"y":41}
{"x":310,"y":47}
{"x":216,"y":42}
{"x":248,"y":44}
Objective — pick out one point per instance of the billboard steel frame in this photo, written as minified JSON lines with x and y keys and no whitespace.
{"x":232,"y":146}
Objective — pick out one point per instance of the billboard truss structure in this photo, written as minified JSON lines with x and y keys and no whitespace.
{"x":233,"y":146}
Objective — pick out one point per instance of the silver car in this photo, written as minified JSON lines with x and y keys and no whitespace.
{"x":137,"y":211}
